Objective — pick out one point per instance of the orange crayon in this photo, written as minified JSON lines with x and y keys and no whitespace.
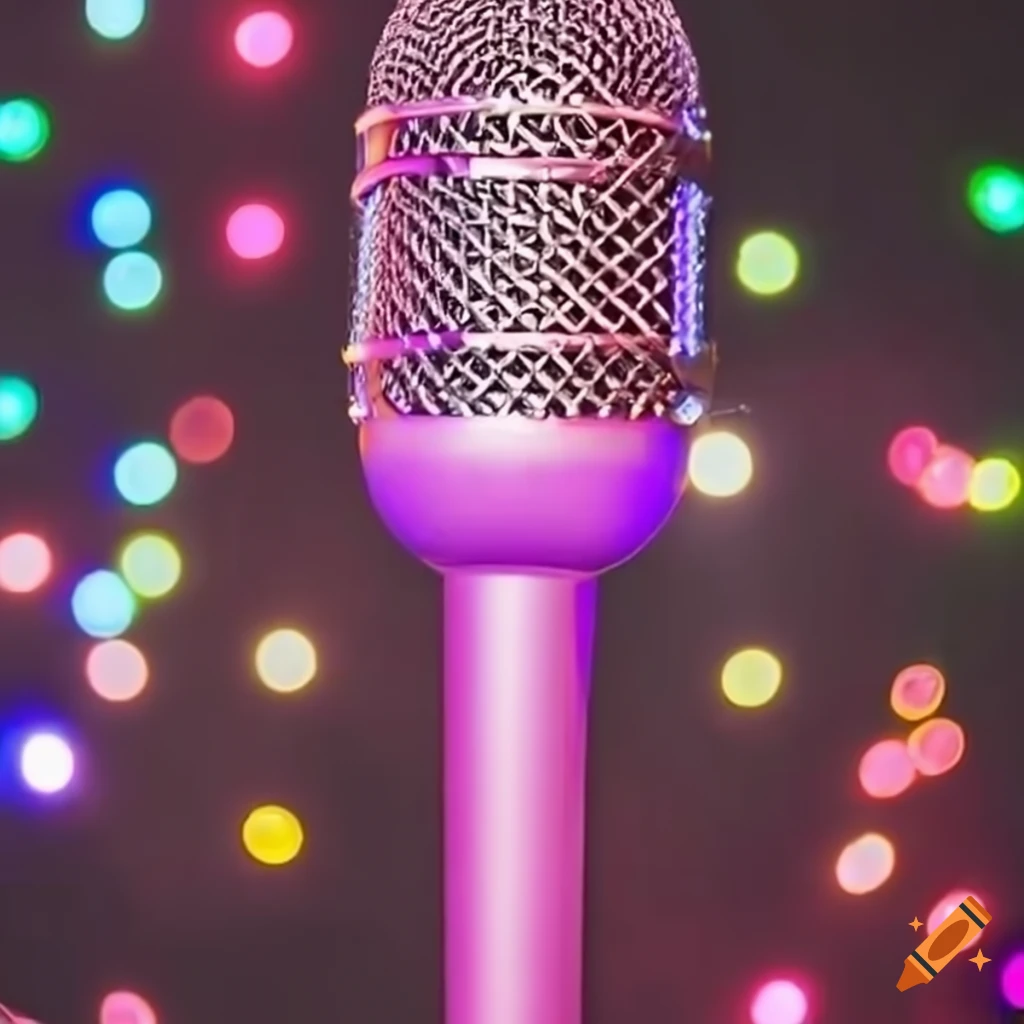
{"x":943,"y":944}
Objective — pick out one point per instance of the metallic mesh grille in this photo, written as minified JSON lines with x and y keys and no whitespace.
{"x":441,"y":254}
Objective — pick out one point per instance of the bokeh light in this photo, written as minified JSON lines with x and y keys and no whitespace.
{"x":24,"y":130}
{"x":272,"y":835}
{"x":751,"y":677}
{"x":946,"y":480}
{"x":285,"y":660}
{"x":995,"y":195}
{"x":995,"y":485}
{"x":115,"y":19}
{"x":116,"y":670}
{"x":937,"y":746}
{"x":886,"y":769}
{"x":145,"y":473}
{"x":917,"y":692}
{"x":150,"y":564}
{"x":768,"y":263}
{"x":47,"y":762}
{"x":102,"y":604}
{"x":865,"y":864}
{"x":202,"y":429}
{"x":909,"y":453}
{"x":121,"y":218}
{"x":25,"y":563}
{"x":19,"y":406}
{"x":255,"y":231}
{"x":720,"y":464}
{"x":126,"y":1008}
{"x":264,"y":39}
{"x":948,"y":904}
{"x":132,"y":281}
{"x":779,"y":1002}
{"x":1011,"y":980}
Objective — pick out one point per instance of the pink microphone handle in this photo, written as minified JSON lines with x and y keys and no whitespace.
{"x":517,"y":676}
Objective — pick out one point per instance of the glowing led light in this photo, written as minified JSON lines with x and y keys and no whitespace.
{"x":25,"y":563}
{"x":145,"y":473}
{"x":150,"y":564}
{"x":47,"y":762}
{"x":751,"y":678}
{"x":995,"y":485}
{"x":126,"y":1008}
{"x":1011,"y":980}
{"x":886,"y":769}
{"x":948,"y":904}
{"x":121,"y":218}
{"x":909,"y":453}
{"x":865,"y":864}
{"x":995,"y":195}
{"x":946,"y":480}
{"x":937,"y":746}
{"x":264,"y":39}
{"x":720,"y":464}
{"x":779,"y":1002}
{"x":917,"y":691}
{"x":132,"y":281}
{"x":202,"y":429}
{"x":285,"y":660}
{"x":768,"y":263}
{"x":116,"y":670}
{"x":102,"y":604}
{"x":272,"y":835}
{"x":24,"y":130}
{"x":255,"y":231}
{"x":115,"y":19}
{"x":19,"y":406}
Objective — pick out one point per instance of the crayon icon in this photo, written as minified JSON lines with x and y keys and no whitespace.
{"x":943,"y":944}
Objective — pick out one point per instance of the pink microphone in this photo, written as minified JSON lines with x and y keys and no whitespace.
{"x":528,"y":350}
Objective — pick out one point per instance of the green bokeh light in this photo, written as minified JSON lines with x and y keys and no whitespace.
{"x":150,"y":564}
{"x":995,"y":195}
{"x":24,"y":130}
{"x":19,"y":406}
{"x":768,"y":263}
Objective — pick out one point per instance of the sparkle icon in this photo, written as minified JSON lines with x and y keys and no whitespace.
{"x":980,"y":959}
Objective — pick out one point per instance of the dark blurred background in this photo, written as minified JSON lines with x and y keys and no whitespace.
{"x":713,"y":833}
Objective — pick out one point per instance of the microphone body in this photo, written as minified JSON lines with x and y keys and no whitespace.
{"x":527,"y":351}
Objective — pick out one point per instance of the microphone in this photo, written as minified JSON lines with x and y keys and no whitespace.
{"x":527,"y":353}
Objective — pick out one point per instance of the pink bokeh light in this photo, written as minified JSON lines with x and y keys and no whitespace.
{"x":909,"y":453}
{"x":948,"y":904}
{"x":937,"y":746}
{"x":886,"y":769}
{"x":264,"y":39}
{"x":126,"y":1008}
{"x":255,"y":231}
{"x":946,"y":480}
{"x":779,"y":1002}
{"x":917,"y":691}
{"x":1012,"y":980}
{"x":25,"y":563}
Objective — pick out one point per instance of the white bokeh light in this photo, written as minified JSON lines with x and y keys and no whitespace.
{"x":47,"y":762}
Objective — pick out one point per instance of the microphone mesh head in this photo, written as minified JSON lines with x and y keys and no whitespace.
{"x":612,"y":271}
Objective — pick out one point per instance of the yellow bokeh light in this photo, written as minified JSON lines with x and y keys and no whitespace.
{"x":995,"y":485}
{"x":720,"y":464}
{"x":272,"y":835}
{"x":751,"y":678}
{"x":768,"y":263}
{"x":285,"y":660}
{"x":150,"y":564}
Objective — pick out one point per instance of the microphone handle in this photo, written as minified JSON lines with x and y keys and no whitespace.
{"x":518,"y":652}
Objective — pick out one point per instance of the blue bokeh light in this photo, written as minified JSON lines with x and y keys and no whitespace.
{"x":115,"y":19}
{"x":121,"y":218}
{"x":102,"y":604}
{"x":145,"y":473}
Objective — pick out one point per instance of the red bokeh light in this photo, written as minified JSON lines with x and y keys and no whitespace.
{"x":264,"y":39}
{"x":909,"y":453}
{"x":255,"y":231}
{"x":202,"y":429}
{"x":946,"y":480}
